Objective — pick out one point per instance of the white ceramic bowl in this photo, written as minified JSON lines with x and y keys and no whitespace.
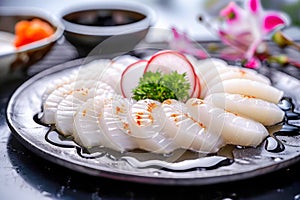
{"x":15,"y":61}
{"x":88,"y":24}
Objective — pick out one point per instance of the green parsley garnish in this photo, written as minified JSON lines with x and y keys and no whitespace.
{"x":154,"y":85}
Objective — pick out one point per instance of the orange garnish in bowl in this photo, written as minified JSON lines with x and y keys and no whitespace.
{"x":31,"y":31}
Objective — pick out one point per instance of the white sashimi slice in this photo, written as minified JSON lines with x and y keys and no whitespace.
{"x":87,"y":129}
{"x":249,"y":88}
{"x":66,"y":110}
{"x":247,"y":72}
{"x":53,"y":99}
{"x":115,"y":71}
{"x":68,"y":106}
{"x":57,"y":83}
{"x":103,"y":70}
{"x":86,"y":72}
{"x":187,"y":132}
{"x":93,"y":70}
{"x":115,"y":123}
{"x":146,"y":123}
{"x":208,"y":69}
{"x":259,"y":110}
{"x":203,"y":66}
{"x":112,"y":76}
{"x":213,"y":74}
{"x":67,"y":85}
{"x":57,"y":95}
{"x":124,"y":60}
{"x":235,"y":129}
{"x":235,"y":73}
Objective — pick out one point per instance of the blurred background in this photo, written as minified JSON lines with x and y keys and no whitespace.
{"x":180,"y":13}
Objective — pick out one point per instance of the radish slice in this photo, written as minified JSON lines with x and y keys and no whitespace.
{"x":168,"y":61}
{"x":197,"y":91}
{"x":131,"y":76}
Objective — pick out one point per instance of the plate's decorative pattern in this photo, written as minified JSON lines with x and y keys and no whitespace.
{"x":239,"y":163}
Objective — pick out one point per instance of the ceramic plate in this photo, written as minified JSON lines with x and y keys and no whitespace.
{"x":179,"y":168}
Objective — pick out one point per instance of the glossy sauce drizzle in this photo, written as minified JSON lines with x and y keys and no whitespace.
{"x":289,"y":127}
{"x":182,"y":160}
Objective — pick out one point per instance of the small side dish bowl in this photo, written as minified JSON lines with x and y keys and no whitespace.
{"x":14,"y":61}
{"x":88,"y":24}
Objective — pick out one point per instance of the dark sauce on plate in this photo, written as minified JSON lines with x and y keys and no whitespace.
{"x":273,"y":144}
{"x":183,"y":160}
{"x":104,"y":17}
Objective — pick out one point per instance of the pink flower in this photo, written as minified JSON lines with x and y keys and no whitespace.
{"x":231,"y":13}
{"x":253,"y":63}
{"x":242,"y":30}
{"x":267,"y":20}
{"x":245,"y":29}
{"x":182,"y":43}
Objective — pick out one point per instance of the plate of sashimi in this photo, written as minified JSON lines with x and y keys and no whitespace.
{"x":161,"y":118}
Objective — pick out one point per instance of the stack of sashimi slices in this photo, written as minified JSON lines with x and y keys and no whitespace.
{"x":227,"y":105}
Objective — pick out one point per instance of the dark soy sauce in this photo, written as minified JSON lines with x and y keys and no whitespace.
{"x":104,"y":17}
{"x":37,"y":118}
{"x":289,"y":127}
{"x":288,"y":130}
{"x":197,"y":160}
{"x":87,"y":154}
{"x":273,"y":144}
{"x":56,"y":139}
{"x":222,"y":163}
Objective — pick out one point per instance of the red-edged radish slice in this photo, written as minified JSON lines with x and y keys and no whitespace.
{"x":168,"y":61}
{"x":131,"y":76}
{"x":197,"y":91}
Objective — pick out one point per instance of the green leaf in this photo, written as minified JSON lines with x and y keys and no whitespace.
{"x":154,"y":85}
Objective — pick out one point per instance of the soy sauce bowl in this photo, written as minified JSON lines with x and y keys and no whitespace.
{"x":87,"y":25}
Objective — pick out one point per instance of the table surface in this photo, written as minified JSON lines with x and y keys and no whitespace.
{"x":24,"y":175}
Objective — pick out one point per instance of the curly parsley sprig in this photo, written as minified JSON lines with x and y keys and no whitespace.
{"x":156,"y":86}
